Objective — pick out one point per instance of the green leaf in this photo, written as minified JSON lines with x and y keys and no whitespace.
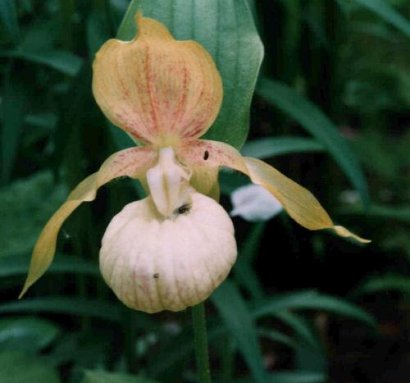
{"x":17,"y":265}
{"x":98,"y":30}
{"x":239,"y":322}
{"x":229,"y":181}
{"x":226,"y":29}
{"x":13,"y":109}
{"x":277,"y":336}
{"x":16,"y":367}
{"x":297,"y":377}
{"x":390,"y":282}
{"x":63,"y":61}
{"x":106,"y":377}
{"x":301,"y":330}
{"x":382,"y":212}
{"x":77,"y":107}
{"x":26,"y":334}
{"x":312,"y":300}
{"x":63,"y":305}
{"x":291,"y":377}
{"x":388,"y":14}
{"x":244,"y":271}
{"x":26,"y":205}
{"x":8,"y":17}
{"x":318,"y":124}
{"x":276,"y":146}
{"x":127,"y":28}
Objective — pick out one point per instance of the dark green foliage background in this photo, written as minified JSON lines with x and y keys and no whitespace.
{"x":330,"y":109}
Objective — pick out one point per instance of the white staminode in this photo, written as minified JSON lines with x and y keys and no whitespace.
{"x":254,"y":203}
{"x":168,"y":183}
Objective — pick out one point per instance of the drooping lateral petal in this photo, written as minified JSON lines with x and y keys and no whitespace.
{"x":300,"y":204}
{"x":156,"y":88}
{"x":131,"y":162}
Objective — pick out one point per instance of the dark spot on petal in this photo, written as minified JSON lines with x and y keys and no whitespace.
{"x":185,"y":208}
{"x":156,"y":276}
{"x":206,"y":155}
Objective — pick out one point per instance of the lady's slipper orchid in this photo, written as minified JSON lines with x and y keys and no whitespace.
{"x":173,"y":248}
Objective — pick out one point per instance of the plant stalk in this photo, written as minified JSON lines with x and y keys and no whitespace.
{"x":201,"y":343}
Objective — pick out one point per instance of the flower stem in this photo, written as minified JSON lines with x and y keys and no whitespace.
{"x":201,"y":343}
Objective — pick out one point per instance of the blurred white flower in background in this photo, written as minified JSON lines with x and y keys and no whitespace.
{"x":254,"y":203}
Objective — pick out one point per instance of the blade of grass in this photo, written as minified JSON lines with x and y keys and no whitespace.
{"x":290,"y":377}
{"x":108,"y":377}
{"x":17,"y":265}
{"x":63,"y":61}
{"x":277,"y":336}
{"x":8,"y":17}
{"x":390,"y":282}
{"x":300,"y":327}
{"x":64,"y":305}
{"x":13,"y":111}
{"x":388,"y":14}
{"x":244,"y":272}
{"x":383,"y":212}
{"x":238,"y":320}
{"x":318,"y":124}
{"x":312,"y":300}
{"x":276,"y":146}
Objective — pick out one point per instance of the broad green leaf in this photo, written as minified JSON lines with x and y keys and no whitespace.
{"x":17,"y":265}
{"x":13,"y":109}
{"x":313,"y":301}
{"x":16,"y":367}
{"x":276,"y":146}
{"x":388,"y":14}
{"x":127,"y":28}
{"x":238,"y":320}
{"x":391,"y":282}
{"x":318,"y":124}
{"x":8,"y":17}
{"x":226,"y":29}
{"x":25,"y":206}
{"x":26,"y":334}
{"x":107,"y":377}
{"x":63,"y":61}
{"x":63,"y":305}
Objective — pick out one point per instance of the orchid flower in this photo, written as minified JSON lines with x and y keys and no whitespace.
{"x":170,"y":250}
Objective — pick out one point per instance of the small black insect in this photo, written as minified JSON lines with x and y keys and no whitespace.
{"x":155,"y":276}
{"x":185,"y":208}
{"x":206,"y":155}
